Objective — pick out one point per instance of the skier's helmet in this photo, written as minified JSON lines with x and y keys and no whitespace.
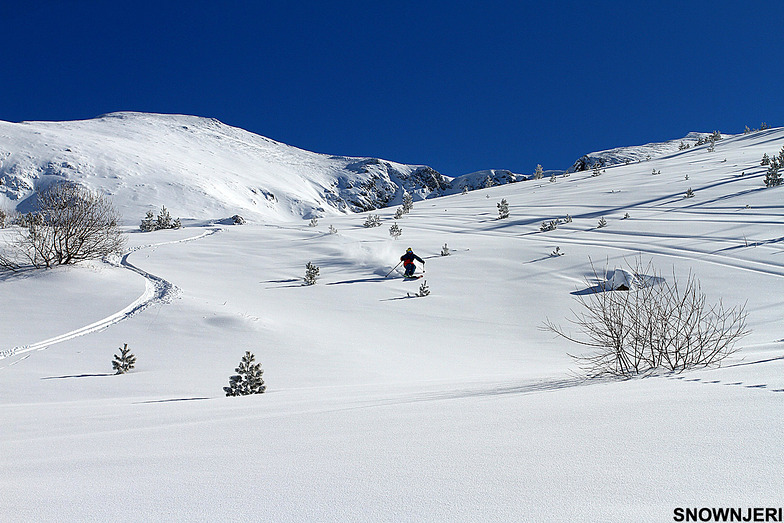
{"x":409,"y":250}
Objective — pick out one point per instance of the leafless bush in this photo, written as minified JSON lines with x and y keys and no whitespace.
{"x":72,"y":224}
{"x":655,"y":325}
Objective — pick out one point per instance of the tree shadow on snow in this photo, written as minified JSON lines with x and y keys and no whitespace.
{"x":78,"y":376}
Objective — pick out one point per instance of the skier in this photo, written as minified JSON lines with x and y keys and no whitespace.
{"x":408,"y":262}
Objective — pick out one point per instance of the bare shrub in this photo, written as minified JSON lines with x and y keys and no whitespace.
{"x":655,"y":325}
{"x":72,"y":224}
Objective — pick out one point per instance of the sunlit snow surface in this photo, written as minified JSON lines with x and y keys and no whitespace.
{"x":385,"y":407}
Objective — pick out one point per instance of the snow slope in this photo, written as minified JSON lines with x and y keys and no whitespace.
{"x":384,"y":407}
{"x":199,"y":168}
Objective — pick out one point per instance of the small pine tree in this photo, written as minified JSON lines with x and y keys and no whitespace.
{"x":311,"y":274}
{"x":395,"y":231}
{"x":408,"y":203}
{"x":445,"y":250}
{"x":602,"y":222}
{"x":164,"y":219}
{"x":765,"y":160}
{"x":557,"y":252}
{"x":248,"y":379}
{"x":424,"y":290}
{"x":503,"y":209}
{"x":238,"y":220}
{"x":552,"y":178}
{"x":148,"y":222}
{"x":772,"y":176}
{"x":689,"y":193}
{"x":597,"y":169}
{"x":489,"y":182}
{"x":549,"y":226}
{"x":626,"y":216}
{"x":313,"y":222}
{"x":465,"y":189}
{"x":539,"y":172}
{"x":124,"y":361}
{"x":332,"y":229}
{"x":568,"y":219}
{"x":2,"y":218}
{"x":372,"y":221}
{"x":399,"y":213}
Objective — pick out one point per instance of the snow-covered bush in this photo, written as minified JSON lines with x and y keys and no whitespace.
{"x":503,"y":209}
{"x":395,"y":231}
{"x":552,"y":178}
{"x":654,"y":325}
{"x":568,"y":219}
{"x":248,"y":379}
{"x":689,"y":193}
{"x":549,"y":226}
{"x":372,"y":221}
{"x":238,"y":220}
{"x":124,"y":361}
{"x":313,"y":222}
{"x":557,"y":252}
{"x":72,"y":224}
{"x":332,"y":229}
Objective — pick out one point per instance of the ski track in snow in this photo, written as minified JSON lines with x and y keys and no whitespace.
{"x":157,"y":290}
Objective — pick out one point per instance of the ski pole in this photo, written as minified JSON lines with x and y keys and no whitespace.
{"x":393,"y":268}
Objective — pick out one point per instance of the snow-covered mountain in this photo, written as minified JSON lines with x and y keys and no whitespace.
{"x":199,"y":168}
{"x":383,"y":406}
{"x":638,"y":153}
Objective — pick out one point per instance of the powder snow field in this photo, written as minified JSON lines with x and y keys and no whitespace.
{"x":384,"y":407}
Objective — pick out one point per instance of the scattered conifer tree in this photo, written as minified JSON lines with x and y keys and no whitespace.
{"x":332,"y":229}
{"x":465,"y":189}
{"x":248,"y":379}
{"x":372,"y":220}
{"x":568,"y":219}
{"x":689,"y":193}
{"x":238,"y":220}
{"x":148,"y":222}
{"x":549,"y":226}
{"x":539,"y":172}
{"x":395,"y":231}
{"x":772,"y":176}
{"x":399,"y":213}
{"x":503,"y":209}
{"x":602,"y":223}
{"x":424,"y":290}
{"x":597,"y":169}
{"x":311,"y":274}
{"x":557,"y":252}
{"x":408,"y":203}
{"x":313,"y":222}
{"x":489,"y":182}
{"x":445,"y":250}
{"x":552,"y":178}
{"x":124,"y":361}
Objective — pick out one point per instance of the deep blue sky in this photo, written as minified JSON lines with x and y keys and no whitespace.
{"x":460,"y":86}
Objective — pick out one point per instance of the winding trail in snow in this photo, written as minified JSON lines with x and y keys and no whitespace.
{"x":157,"y":290}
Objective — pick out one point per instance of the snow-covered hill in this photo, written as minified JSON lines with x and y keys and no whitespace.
{"x":381,"y":406}
{"x":638,"y":153}
{"x":199,"y":168}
